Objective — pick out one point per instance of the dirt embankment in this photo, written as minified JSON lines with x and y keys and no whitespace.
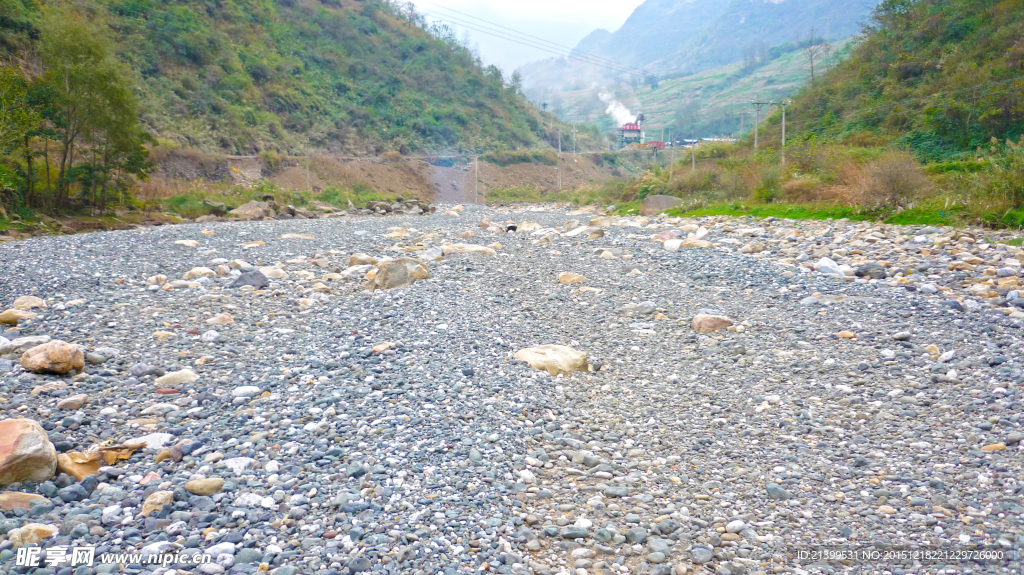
{"x":443,"y":179}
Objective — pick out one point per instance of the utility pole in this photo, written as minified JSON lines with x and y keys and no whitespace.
{"x":757,"y":121}
{"x":574,"y":138}
{"x":558,"y":169}
{"x":784,"y":103}
{"x":307,"y":167}
{"x":693,"y":149}
{"x":476,"y":177}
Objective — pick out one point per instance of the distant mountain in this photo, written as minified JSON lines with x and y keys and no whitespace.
{"x":678,"y":37}
{"x":746,"y":24}
{"x":655,"y":28}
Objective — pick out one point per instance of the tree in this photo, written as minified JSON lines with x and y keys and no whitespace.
{"x":812,"y":51}
{"x":93,"y":95}
{"x":515,"y":82}
{"x":16,"y":116}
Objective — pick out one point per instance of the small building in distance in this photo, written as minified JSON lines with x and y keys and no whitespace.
{"x":632,"y":133}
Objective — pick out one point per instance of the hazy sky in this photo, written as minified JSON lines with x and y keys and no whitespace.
{"x":563,"y":22}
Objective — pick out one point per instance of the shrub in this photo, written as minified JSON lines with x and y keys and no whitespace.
{"x":805,"y":189}
{"x":770,"y":188}
{"x":509,"y":157}
{"x":690,"y":182}
{"x":894,"y":179}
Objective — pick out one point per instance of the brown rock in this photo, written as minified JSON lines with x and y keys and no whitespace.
{"x":73,"y":402}
{"x":155,"y":502}
{"x":31,"y":534}
{"x":705,"y":323}
{"x":205,"y":486}
{"x":53,"y":357}
{"x":253,"y":211}
{"x":695,"y":243}
{"x":13,"y":316}
{"x":449,"y":249}
{"x":846,"y":334}
{"x":79,"y":465}
{"x":26,"y":453}
{"x":14,"y":500}
{"x":361,"y":260}
{"x":994,"y":447}
{"x":398,"y":273}
{"x":653,"y":205}
{"x":221,"y":319}
{"x":27,"y":302}
{"x":570,"y":278}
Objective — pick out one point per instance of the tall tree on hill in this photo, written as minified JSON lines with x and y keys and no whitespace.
{"x":813,"y":51}
{"x":95,"y":113}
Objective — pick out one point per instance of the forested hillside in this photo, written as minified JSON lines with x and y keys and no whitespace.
{"x":941,"y":77}
{"x":87,"y":83}
{"x":248,"y":75}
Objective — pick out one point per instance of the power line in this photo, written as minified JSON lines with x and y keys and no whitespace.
{"x":595,"y":57}
{"x":531,"y":44}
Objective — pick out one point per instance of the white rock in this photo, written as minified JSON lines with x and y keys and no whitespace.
{"x":827,"y":266}
{"x":245,"y":391}
{"x":153,"y":440}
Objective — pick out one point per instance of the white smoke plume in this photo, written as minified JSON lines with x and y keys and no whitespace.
{"x":620,"y":113}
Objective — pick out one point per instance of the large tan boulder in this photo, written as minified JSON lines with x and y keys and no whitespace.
{"x":27,"y":302}
{"x":569,"y":278}
{"x":26,"y":453}
{"x":398,"y":273}
{"x":554,"y":359}
{"x":54,"y":356}
{"x":706,"y":323}
{"x":10,"y":500}
{"x":253,"y":211}
{"x":654,"y":205}
{"x":13,"y":316}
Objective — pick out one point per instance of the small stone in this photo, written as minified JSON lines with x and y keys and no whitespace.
{"x":221,"y":319}
{"x":701,"y":554}
{"x":570,"y":278}
{"x":706,"y":323}
{"x":205,"y":486}
{"x":994,"y":447}
{"x":73,"y":402}
{"x":155,"y":502}
{"x":777,"y":492}
{"x":735,"y":526}
{"x":177,"y":378}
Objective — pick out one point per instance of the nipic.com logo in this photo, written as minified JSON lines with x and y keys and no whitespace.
{"x":64,"y":556}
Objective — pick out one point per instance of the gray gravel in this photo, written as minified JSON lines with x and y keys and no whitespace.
{"x":728,"y":452}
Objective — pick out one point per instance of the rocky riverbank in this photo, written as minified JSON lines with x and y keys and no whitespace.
{"x":750,"y":390}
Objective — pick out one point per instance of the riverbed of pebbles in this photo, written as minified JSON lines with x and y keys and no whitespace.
{"x":849,"y":407}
